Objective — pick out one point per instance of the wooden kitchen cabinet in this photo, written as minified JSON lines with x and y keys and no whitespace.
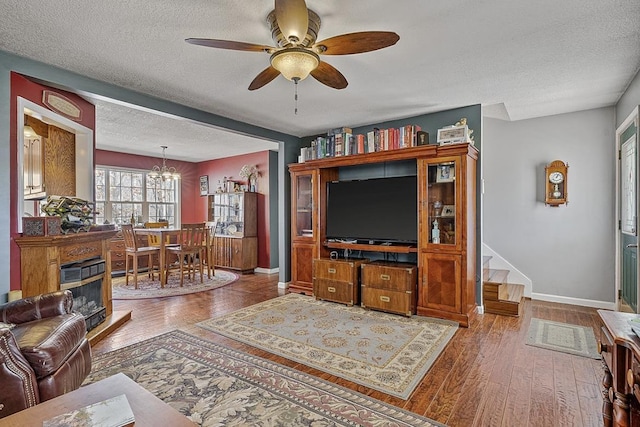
{"x":49,"y":158}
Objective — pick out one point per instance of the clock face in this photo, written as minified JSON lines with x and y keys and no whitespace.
{"x":556,"y":177}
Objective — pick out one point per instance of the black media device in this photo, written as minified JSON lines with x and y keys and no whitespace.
{"x":373,"y":211}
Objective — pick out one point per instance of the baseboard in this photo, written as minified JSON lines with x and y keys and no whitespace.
{"x":574,"y":301}
{"x":480,"y":309}
{"x":283,"y":285}
{"x":266,"y":270}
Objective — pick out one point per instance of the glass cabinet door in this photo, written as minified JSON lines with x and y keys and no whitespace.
{"x":441,"y":188}
{"x":228,"y":210}
{"x":303,"y":220}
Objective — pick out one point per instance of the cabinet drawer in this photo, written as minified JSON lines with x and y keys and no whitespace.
{"x":117,"y":265}
{"x":334,"y":270}
{"x":336,"y":291}
{"x":395,"y":277}
{"x":390,"y":301}
{"x":117,"y":256}
{"x":606,"y":346}
{"x":117,"y":245}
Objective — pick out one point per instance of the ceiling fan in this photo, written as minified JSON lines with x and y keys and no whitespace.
{"x":294,"y":30}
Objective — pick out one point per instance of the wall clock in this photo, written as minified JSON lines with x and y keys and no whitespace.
{"x":556,"y":183}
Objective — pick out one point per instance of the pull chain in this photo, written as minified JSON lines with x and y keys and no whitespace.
{"x":295,"y":98}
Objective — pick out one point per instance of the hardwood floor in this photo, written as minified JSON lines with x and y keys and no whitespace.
{"x":486,"y":376}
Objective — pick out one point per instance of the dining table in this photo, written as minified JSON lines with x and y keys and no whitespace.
{"x":165,"y":235}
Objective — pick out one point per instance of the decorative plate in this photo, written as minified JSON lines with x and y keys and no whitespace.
{"x":232,"y":229}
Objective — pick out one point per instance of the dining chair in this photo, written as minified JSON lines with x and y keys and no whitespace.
{"x":133,"y":251}
{"x":154,"y":239}
{"x":159,"y":224}
{"x":210,"y":248}
{"x":190,"y":248}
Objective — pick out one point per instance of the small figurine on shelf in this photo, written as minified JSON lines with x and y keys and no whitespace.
{"x":437,"y":208}
{"x":435,"y":232}
{"x":463,"y":122}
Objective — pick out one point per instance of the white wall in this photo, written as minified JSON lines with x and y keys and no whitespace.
{"x":567,"y":251}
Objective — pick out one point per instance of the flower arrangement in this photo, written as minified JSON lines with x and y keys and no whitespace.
{"x":249,"y":172}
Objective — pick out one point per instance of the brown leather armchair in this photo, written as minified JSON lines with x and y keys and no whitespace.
{"x":44,"y":351}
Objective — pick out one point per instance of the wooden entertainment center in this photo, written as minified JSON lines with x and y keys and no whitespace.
{"x":446,"y":228}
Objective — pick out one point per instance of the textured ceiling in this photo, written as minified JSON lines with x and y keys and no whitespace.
{"x":518,"y":59}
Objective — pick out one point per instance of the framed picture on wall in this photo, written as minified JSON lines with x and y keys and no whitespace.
{"x":204,"y":185}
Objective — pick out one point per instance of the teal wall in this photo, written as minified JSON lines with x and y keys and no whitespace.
{"x":273,"y":208}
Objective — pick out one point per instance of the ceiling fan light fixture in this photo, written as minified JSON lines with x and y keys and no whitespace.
{"x":295,"y":63}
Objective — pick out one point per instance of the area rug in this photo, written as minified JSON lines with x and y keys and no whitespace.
{"x":218,"y":386}
{"x":564,"y":337}
{"x":382,"y":351}
{"x":148,"y":288}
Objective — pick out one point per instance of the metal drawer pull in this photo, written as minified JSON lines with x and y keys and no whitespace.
{"x":331,"y":289}
{"x":384,"y":299}
{"x":385,"y":277}
{"x":331,"y":270}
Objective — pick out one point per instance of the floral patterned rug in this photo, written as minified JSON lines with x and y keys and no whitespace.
{"x":148,"y":288}
{"x":218,"y":386}
{"x":386,"y":352}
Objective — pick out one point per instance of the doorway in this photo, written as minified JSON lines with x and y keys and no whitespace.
{"x":627,"y":206}
{"x":83,"y":150}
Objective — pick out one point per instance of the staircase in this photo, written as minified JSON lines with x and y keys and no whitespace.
{"x":500,"y":297}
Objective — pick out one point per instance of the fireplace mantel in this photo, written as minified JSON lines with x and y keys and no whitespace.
{"x":42,"y":256}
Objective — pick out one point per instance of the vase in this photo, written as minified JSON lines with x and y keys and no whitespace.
{"x":252,"y":184}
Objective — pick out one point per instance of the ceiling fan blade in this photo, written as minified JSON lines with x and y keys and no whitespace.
{"x":228,"y":44}
{"x":365,"y":41}
{"x":329,"y":75}
{"x":266,"y":76}
{"x":293,"y":19}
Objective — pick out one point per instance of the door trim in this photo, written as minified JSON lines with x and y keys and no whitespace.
{"x":631,"y":118}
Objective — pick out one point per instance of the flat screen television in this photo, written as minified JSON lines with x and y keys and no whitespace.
{"x":379,"y":210}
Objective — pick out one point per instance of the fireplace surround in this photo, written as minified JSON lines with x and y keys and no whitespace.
{"x":84,"y":280}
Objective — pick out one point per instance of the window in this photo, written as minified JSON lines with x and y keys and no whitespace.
{"x":123,"y":194}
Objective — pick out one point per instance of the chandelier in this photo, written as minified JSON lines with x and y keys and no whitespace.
{"x":163,"y":172}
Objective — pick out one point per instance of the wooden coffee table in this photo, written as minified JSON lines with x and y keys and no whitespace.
{"x":147,"y":409}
